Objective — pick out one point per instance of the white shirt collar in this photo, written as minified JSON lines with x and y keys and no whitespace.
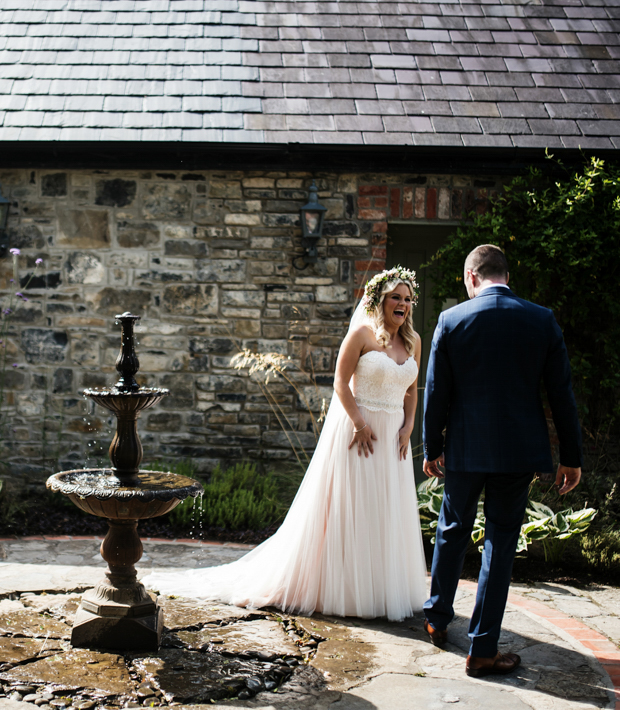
{"x":493,"y":284}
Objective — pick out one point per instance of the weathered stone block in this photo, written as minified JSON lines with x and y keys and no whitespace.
{"x":208,"y":211}
{"x":279,"y":438}
{"x":259,"y":182}
{"x":54,"y":185}
{"x":115,"y":193}
{"x":198,"y":363}
{"x":137,"y":234}
{"x":275,"y":330}
{"x":225,"y":188}
{"x":129,"y":260}
{"x":83,"y":228}
{"x":247,"y":328}
{"x":94,"y":379}
{"x":334,"y":312}
{"x":332,"y":294}
{"x":181,"y":388}
{"x":319,"y":360}
{"x":238,"y":312}
{"x":85,"y":352}
{"x":261,"y":345}
{"x":242,"y":219}
{"x":165,"y":201}
{"x":221,"y":383}
{"x":210,"y":345}
{"x":164,"y":421}
{"x":30,"y":405}
{"x":49,"y":279}
{"x":27,"y":236}
{"x":191,"y":300}
{"x":42,"y":345}
{"x":84,"y":268}
{"x":281,"y":220}
{"x":225,"y":270}
{"x":112,"y":301}
{"x":315,"y":398}
{"x":63,"y":380}
{"x":178,"y":231}
{"x":14,"y":379}
{"x":340,"y":229}
{"x":183,"y":247}
{"x":30,"y":312}
{"x":243,"y":298}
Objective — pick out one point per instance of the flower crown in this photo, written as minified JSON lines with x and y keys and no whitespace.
{"x":372,"y":290}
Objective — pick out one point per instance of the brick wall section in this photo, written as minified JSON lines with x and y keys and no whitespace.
{"x":206,"y":259}
{"x":432,"y":199}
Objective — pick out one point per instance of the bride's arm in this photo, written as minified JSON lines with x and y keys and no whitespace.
{"x":350,"y":352}
{"x":410,"y":406}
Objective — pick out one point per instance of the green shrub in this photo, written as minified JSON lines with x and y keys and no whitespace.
{"x":238,"y":498}
{"x":600,"y":552}
{"x":541,"y":523}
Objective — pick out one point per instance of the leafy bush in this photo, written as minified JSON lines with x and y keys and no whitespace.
{"x":238,"y":498}
{"x":600,"y":552}
{"x":560,"y":231}
{"x":541,"y":523}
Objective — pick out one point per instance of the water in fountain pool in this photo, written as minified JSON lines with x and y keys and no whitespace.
{"x":101,"y":479}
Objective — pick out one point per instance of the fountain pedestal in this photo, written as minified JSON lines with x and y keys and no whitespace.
{"x":119,"y":613}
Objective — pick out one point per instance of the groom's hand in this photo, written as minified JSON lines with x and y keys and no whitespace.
{"x":567,"y":478}
{"x":431,"y":468}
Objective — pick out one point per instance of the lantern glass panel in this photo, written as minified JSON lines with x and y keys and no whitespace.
{"x":312,"y":222}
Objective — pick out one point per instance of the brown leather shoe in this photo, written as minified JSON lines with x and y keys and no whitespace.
{"x":438,"y":638}
{"x":502,"y":663}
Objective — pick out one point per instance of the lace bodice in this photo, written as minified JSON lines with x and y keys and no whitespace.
{"x":380,"y":383}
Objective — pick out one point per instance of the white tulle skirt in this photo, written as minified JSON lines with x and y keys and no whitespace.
{"x":350,"y":545}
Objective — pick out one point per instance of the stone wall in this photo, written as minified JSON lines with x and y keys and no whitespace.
{"x":206,"y":259}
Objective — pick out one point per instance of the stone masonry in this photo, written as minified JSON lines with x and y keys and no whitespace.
{"x":206,"y":258}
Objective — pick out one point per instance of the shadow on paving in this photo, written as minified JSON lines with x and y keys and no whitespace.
{"x":224,"y":656}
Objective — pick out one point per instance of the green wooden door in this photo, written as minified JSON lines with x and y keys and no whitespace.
{"x":411,"y":246}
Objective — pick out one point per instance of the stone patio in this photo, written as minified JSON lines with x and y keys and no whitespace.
{"x":225,"y":657}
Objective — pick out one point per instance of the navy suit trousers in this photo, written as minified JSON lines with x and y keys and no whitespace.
{"x":505,"y":500}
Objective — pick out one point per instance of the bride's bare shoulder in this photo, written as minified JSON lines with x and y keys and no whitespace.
{"x":361,"y":335}
{"x":359,"y":340}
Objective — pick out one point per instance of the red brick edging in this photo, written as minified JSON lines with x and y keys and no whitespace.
{"x":605,"y":652}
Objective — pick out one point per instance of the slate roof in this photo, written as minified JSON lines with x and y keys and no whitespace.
{"x":484,"y":73}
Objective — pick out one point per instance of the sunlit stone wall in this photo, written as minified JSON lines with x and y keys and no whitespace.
{"x":207,"y":260}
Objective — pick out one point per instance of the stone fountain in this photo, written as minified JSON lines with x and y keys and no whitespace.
{"x":119,"y":613}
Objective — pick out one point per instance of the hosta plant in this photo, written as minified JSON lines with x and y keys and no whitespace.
{"x":541,"y":523}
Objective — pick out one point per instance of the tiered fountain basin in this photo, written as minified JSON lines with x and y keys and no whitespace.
{"x":99,"y":491}
{"x":119,"y":613}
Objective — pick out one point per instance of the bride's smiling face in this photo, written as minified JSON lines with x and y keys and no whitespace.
{"x":396,"y":306}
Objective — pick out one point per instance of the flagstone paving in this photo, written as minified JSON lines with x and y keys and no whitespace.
{"x":219,"y":656}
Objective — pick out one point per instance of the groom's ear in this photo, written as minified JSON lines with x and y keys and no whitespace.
{"x":507,"y":277}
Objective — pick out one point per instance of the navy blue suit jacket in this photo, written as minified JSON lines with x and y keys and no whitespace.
{"x":488,"y":359}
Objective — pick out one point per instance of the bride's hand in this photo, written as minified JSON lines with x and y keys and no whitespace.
{"x":404,"y":436}
{"x":363,"y":438}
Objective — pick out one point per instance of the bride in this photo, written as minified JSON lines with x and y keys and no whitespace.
{"x":350,"y":544}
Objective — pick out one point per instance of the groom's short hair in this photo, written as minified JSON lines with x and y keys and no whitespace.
{"x":488,"y":261}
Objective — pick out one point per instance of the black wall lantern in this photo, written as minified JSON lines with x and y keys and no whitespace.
{"x":312,"y":216}
{"x":4,"y":218}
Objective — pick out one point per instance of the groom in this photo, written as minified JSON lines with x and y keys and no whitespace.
{"x":488,"y":359}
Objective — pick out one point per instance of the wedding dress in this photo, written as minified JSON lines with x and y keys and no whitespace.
{"x":351,"y":543}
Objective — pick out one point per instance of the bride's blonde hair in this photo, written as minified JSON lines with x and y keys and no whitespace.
{"x":377,"y":322}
